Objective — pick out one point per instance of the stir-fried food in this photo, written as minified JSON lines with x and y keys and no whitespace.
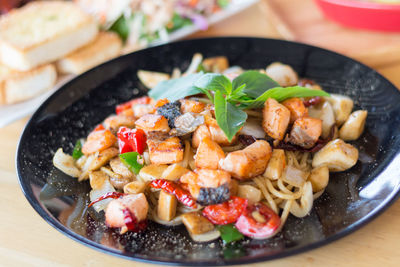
{"x":228,"y":153}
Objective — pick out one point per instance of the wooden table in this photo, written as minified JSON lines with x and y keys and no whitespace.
{"x":27,"y":240}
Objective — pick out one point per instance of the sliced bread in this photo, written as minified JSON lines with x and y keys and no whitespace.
{"x":107,"y":45}
{"x":18,"y":86}
{"x":42,"y":32}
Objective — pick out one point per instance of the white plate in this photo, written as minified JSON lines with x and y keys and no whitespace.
{"x":10,"y":113}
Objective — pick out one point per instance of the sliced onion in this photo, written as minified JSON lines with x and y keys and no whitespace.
{"x":101,"y":191}
{"x":306,"y":202}
{"x":253,"y":128}
{"x":206,"y":237}
{"x":65,"y":163}
{"x":176,"y":221}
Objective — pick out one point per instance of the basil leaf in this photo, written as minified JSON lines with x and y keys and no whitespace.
{"x":130,"y":159}
{"x":229,"y":118}
{"x":121,"y":27}
{"x":239,"y":90}
{"x":256,"y":83}
{"x":215,"y":82}
{"x":229,"y":233}
{"x":77,"y":153}
{"x":176,"y":89}
{"x":282,"y":93}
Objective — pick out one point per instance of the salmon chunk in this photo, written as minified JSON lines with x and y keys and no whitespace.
{"x":276,"y":119}
{"x":115,"y":121}
{"x":135,"y":203}
{"x":98,"y":141}
{"x":191,"y":106}
{"x":305,"y":132}
{"x":153,"y":122}
{"x":205,"y":178}
{"x":217,"y":135}
{"x":296,"y":108}
{"x":208,"y":154}
{"x":249,"y":162}
{"x":199,"y":134}
{"x":166,"y":151}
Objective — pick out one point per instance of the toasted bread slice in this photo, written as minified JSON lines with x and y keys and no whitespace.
{"x":106,"y":46}
{"x":42,"y":32}
{"x":18,"y":86}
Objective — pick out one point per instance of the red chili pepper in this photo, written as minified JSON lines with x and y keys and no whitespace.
{"x":312,"y":101}
{"x":107,"y":195}
{"x":131,"y":140}
{"x":227,"y":212}
{"x":174,"y":189}
{"x":127,"y":105}
{"x":249,"y":226}
{"x":131,"y":221}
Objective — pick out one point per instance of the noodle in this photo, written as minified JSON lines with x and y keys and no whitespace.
{"x":266,"y":194}
{"x":278,"y":194}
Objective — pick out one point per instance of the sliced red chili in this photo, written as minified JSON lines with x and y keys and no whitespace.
{"x":227,"y":212}
{"x":107,"y":195}
{"x":258,"y":228}
{"x":131,"y":221}
{"x":127,"y":105}
{"x":175,"y":189}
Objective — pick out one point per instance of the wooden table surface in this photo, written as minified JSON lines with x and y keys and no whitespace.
{"x":27,"y":240}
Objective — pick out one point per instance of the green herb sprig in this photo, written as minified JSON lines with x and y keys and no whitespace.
{"x":249,"y":90}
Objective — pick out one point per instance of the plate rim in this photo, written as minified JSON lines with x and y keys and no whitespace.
{"x":373,"y":214}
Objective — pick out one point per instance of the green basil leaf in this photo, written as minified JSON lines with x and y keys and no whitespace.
{"x":239,"y":90}
{"x":229,"y":118}
{"x":229,"y":233}
{"x":77,"y":153}
{"x":121,"y":27}
{"x":176,"y":89}
{"x":256,"y":83}
{"x":282,"y":93}
{"x":215,"y":82}
{"x":130,"y":159}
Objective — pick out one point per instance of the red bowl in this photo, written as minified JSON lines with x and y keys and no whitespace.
{"x":366,"y":15}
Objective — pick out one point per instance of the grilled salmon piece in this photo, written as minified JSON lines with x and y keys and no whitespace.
{"x":153,"y":122}
{"x":208,"y":154}
{"x":199,"y":134}
{"x":167,"y":151}
{"x":217,"y":134}
{"x":205,"y":178}
{"x":296,"y":108}
{"x":98,"y":141}
{"x":115,"y":121}
{"x":193,"y":106}
{"x":276,"y":119}
{"x":249,"y":162}
{"x":305,"y":132}
{"x":135,"y":203}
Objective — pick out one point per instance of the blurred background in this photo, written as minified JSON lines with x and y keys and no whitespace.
{"x":367,"y":30}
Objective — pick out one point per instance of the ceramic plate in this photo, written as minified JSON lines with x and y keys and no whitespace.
{"x":351,"y":199}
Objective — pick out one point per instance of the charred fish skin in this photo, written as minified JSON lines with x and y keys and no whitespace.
{"x":213,"y":195}
{"x":170,"y":111}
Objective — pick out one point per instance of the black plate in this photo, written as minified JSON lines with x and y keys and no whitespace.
{"x":352,"y":198}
